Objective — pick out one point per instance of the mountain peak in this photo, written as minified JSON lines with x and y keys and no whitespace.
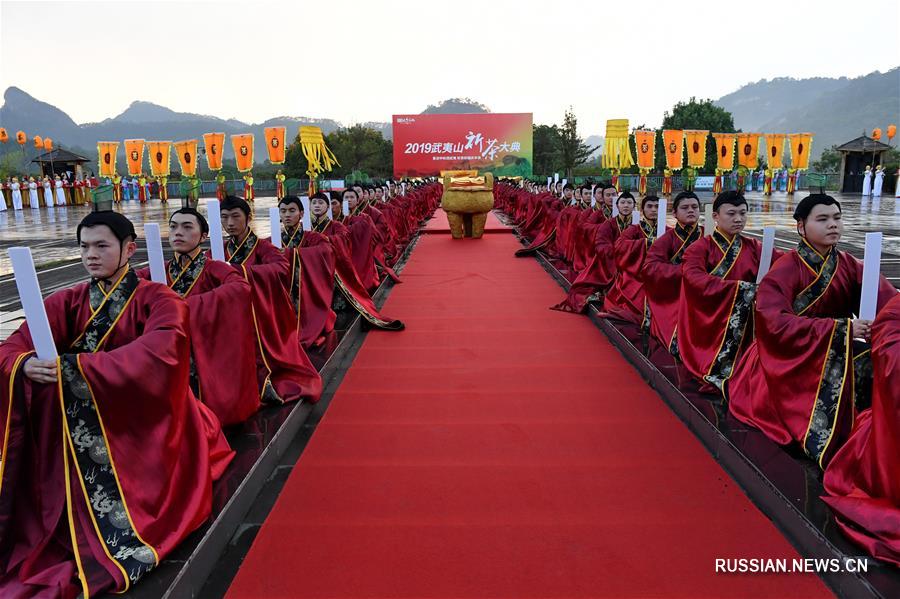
{"x":141,"y":111}
{"x":14,"y":94}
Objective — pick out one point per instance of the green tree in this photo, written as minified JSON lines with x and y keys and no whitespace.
{"x":828,"y":162}
{"x":547,"y":150}
{"x":572,"y":149}
{"x":695,"y":114}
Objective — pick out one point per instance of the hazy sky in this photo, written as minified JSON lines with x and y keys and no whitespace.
{"x":366,"y":60}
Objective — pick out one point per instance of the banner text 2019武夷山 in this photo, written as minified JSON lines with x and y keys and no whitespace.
{"x":426,"y":144}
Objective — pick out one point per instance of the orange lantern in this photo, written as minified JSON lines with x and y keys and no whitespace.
{"x":891,"y":131}
{"x":243,"y":151}
{"x":187,"y":156}
{"x":275,"y":144}
{"x":748,"y":149}
{"x":134,"y":156}
{"x":876,"y":133}
{"x":724,"y":150}
{"x":215,"y":146}
{"x":774,"y":149}
{"x":801,"y":148}
{"x":4,"y":136}
{"x":21,"y":138}
{"x":696,"y":148}
{"x":645,"y":145}
{"x":106,"y":157}
{"x":38,"y":142}
{"x":48,"y":144}
{"x":673,"y":140}
{"x":159,"y":157}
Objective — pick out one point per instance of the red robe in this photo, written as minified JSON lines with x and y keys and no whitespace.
{"x":796,"y":381}
{"x":361,"y":231}
{"x":541,"y":226}
{"x":384,"y":248}
{"x":600,"y":272}
{"x":224,"y":377}
{"x":861,"y":481}
{"x":662,"y":281}
{"x":282,"y":365}
{"x":566,"y":227}
{"x":626,"y":299}
{"x":311,"y":283}
{"x":347,"y":282}
{"x":715,"y":308}
{"x":585,"y":237}
{"x":115,"y":457}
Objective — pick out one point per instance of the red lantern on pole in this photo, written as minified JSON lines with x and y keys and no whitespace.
{"x":21,"y":138}
{"x":876,"y":133}
{"x":48,"y":144}
{"x":891,"y":131}
{"x":4,"y":136}
{"x":38,"y":142}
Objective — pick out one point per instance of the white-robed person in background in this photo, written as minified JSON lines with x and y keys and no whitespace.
{"x":879,"y":182}
{"x":33,"y":200}
{"x":60,"y":191}
{"x":16,"y":188}
{"x":867,"y":182}
{"x":48,"y":191}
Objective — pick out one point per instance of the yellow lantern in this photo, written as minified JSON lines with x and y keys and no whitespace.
{"x":724,"y":150}
{"x":187,"y":156}
{"x":243,"y":151}
{"x":38,"y":142}
{"x":215,"y":146}
{"x":673,"y":140}
{"x":275,"y":144}
{"x":159,"y":157}
{"x":876,"y":133}
{"x":48,"y":144}
{"x":748,"y":149}
{"x":134,"y":154}
{"x":645,"y":145}
{"x":774,"y":149}
{"x":801,"y":148}
{"x":106,"y":158}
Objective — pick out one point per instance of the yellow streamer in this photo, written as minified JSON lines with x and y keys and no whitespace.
{"x":317,"y":154}
{"x":616,"y":152}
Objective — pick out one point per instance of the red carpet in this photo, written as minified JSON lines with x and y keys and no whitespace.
{"x":440,"y":224}
{"x":497,"y":448}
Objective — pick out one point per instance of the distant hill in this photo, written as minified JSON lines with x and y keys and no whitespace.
{"x":456,"y":106}
{"x":140,"y":120}
{"x":836,"y":110}
{"x":152,"y":121}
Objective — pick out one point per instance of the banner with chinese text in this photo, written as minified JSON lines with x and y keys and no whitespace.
{"x":426,"y":144}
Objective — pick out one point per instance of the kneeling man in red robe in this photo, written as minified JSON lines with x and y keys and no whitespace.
{"x":223,"y":372}
{"x":106,"y":456}
{"x":804,"y":378}
{"x":861,"y":481}
{"x":718,"y":287}
{"x":599,"y":275}
{"x":626,"y":299}
{"x":662,"y":269}
{"x":284,"y":372}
